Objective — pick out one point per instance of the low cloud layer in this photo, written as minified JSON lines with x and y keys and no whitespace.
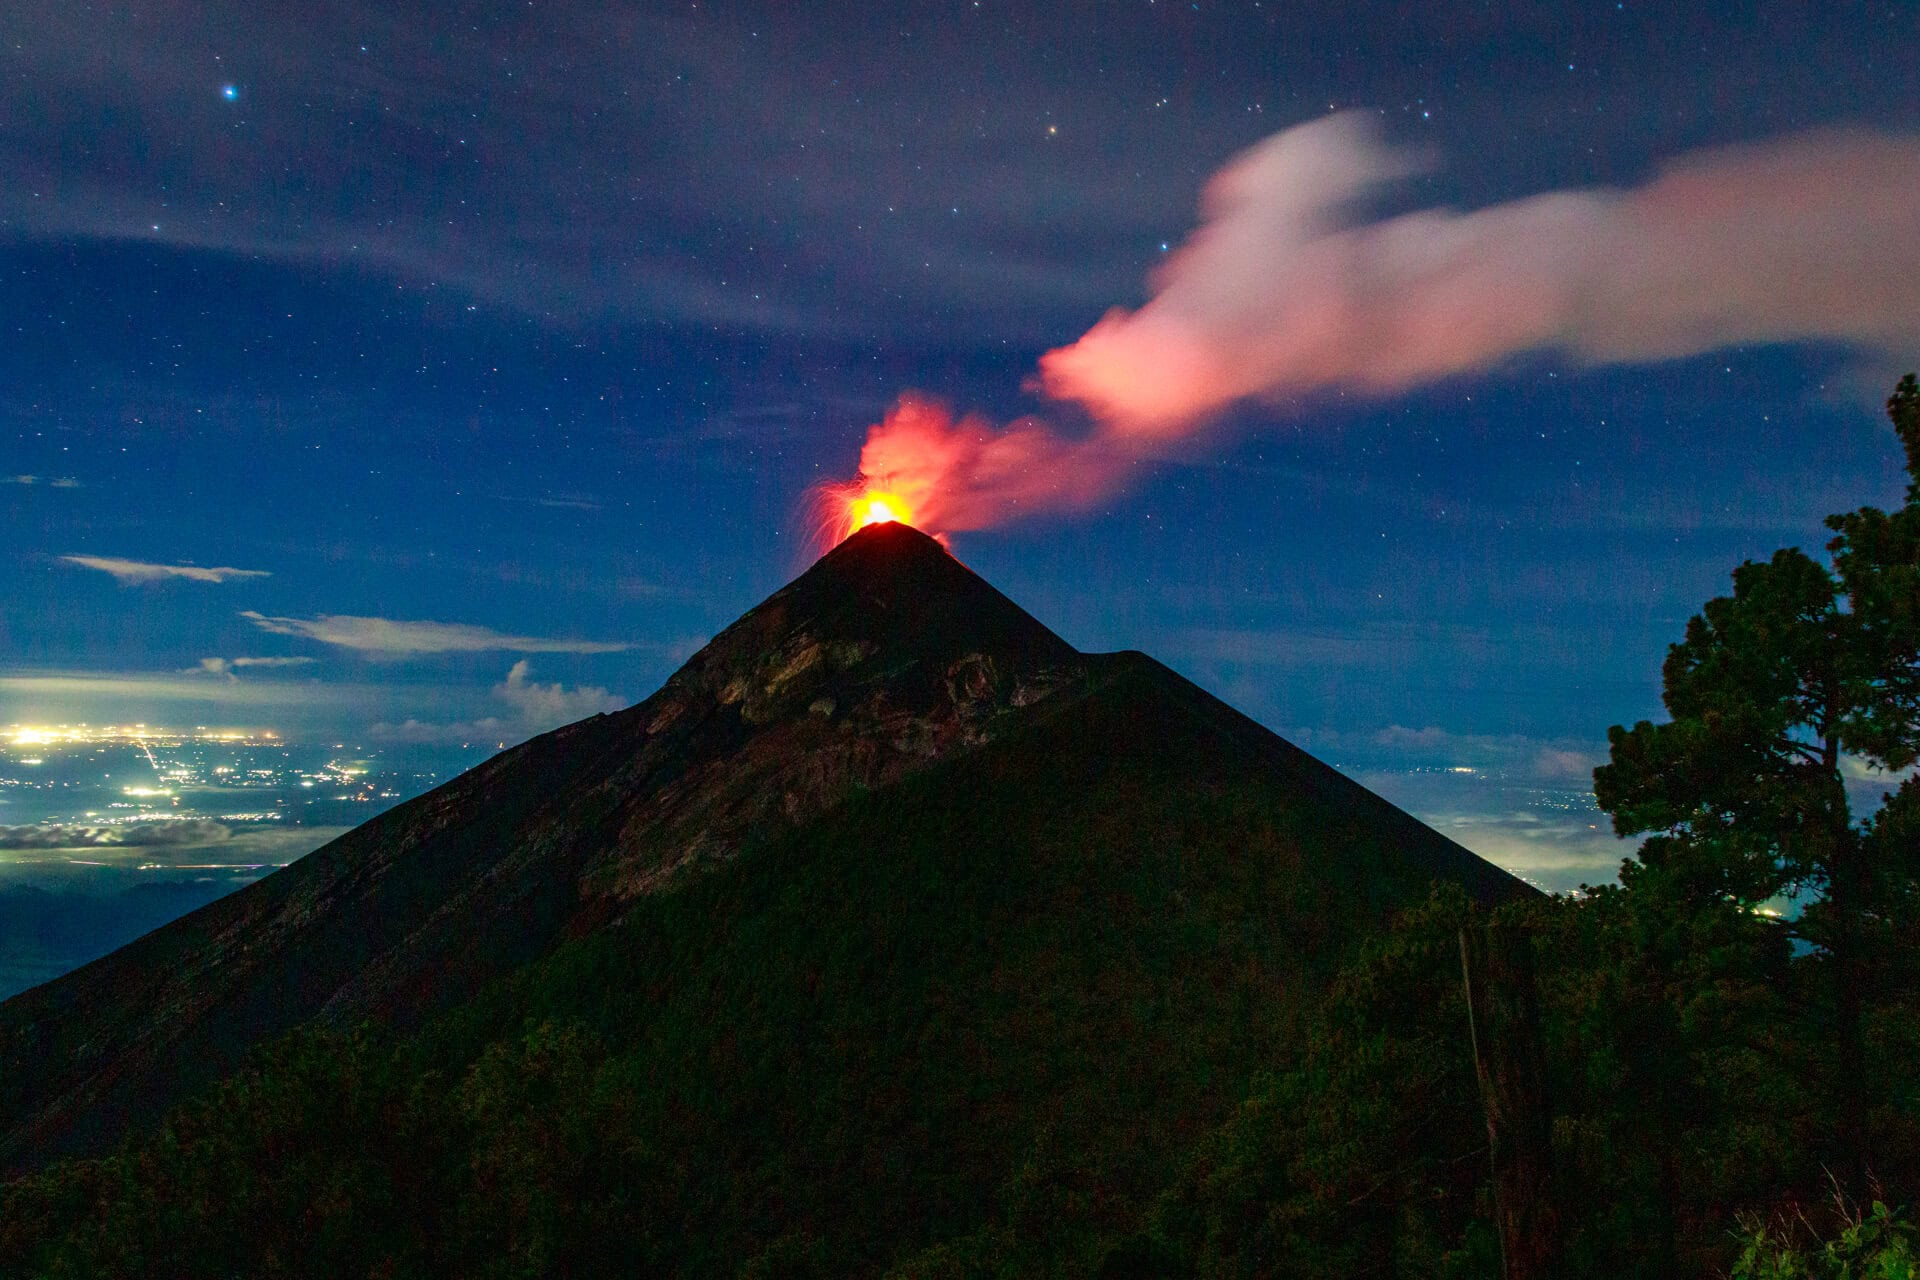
{"x":140,"y":572}
{"x":105,"y":695}
{"x":535,"y":707}
{"x":1283,"y":291}
{"x":386,"y":637}
{"x":55,"y":835}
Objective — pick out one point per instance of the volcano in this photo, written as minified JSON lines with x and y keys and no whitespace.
{"x":886,"y":803}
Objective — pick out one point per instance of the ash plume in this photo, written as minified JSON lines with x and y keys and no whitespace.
{"x":957,"y":474}
{"x":1285,"y":290}
{"x":1281,"y":292}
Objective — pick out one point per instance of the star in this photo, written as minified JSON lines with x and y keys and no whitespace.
{"x":231,"y":92}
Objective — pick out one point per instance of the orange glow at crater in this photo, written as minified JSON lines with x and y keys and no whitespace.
{"x":924,"y":467}
{"x":875,"y":507}
{"x":842,"y":510}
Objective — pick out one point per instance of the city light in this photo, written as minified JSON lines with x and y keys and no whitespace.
{"x":88,"y":735}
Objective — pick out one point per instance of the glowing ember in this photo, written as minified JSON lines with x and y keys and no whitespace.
{"x":841,"y":510}
{"x":876,"y":508}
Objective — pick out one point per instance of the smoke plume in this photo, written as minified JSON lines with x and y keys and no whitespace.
{"x":1282,"y":292}
{"x":1286,"y":289}
{"x":955,"y":475}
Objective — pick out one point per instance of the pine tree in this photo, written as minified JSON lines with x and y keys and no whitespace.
{"x":1806,"y":670}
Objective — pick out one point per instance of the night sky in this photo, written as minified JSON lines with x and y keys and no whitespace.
{"x":530,"y":326}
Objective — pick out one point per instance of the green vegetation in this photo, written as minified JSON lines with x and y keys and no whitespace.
{"x":950,"y":1033}
{"x":1877,"y":1245}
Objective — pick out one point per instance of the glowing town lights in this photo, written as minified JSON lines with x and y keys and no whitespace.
{"x":140,"y":735}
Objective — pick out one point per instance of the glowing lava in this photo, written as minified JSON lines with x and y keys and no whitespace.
{"x":875,"y":507}
{"x":841,"y":510}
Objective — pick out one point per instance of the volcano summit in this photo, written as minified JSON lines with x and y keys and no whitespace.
{"x":888,"y":879}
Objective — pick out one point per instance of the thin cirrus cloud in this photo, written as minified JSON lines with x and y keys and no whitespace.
{"x":390,"y":638}
{"x":131,"y":573}
{"x":97,"y":693}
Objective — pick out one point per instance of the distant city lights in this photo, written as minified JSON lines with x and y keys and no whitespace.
{"x":88,"y":735}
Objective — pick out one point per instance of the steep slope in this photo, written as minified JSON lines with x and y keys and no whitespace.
{"x":861,"y":1034}
{"x":884,"y":659}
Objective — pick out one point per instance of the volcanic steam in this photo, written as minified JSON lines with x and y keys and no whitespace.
{"x":1282,"y":292}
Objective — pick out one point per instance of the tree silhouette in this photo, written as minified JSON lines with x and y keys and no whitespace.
{"x":1806,"y":671}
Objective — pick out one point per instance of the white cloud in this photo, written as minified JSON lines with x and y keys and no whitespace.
{"x":135,"y":572}
{"x":227,"y":667}
{"x":551,"y":704}
{"x":387,"y":637}
{"x":537,"y":708}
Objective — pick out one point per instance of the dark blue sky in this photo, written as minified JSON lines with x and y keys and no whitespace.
{"x":542,"y":318}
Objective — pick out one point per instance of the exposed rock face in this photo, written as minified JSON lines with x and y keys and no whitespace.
{"x":885,"y":658}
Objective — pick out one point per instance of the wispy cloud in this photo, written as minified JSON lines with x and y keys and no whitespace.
{"x":558,"y":501}
{"x":387,"y":637}
{"x":536,"y":708}
{"x":115,"y":688}
{"x":138,"y":572}
{"x":52,"y":482}
{"x":1512,"y":757}
{"x":228,"y":667}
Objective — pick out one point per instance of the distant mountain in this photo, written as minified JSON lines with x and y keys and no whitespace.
{"x":886,"y":783}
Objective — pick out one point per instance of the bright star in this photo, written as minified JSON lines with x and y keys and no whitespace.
{"x":230,"y":91}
